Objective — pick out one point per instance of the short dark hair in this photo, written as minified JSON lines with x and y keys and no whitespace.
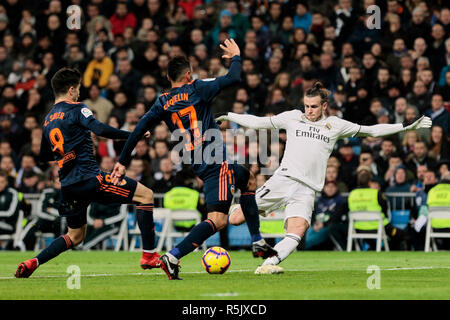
{"x":177,"y":66}
{"x":363,"y":178}
{"x":3,"y":174}
{"x":318,"y":89}
{"x":64,"y":79}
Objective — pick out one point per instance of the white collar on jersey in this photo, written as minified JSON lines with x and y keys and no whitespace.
{"x":321,"y":122}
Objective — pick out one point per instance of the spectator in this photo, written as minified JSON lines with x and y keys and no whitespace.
{"x":420,"y":157}
{"x":393,"y":31}
{"x":329,"y":219}
{"x":7,"y":166}
{"x":349,"y":163}
{"x":100,"y":105}
{"x":370,"y":67}
{"x":103,"y":222}
{"x":426,"y":75}
{"x":161,"y":151}
{"x":99,"y":69}
{"x":131,"y":119}
{"x":332,"y":175}
{"x":327,"y":72}
{"x":257,"y":93}
{"x":418,"y":27}
{"x":164,"y":177}
{"x":444,"y":89}
{"x":122,"y":19}
{"x":263,"y":34}
{"x":344,"y":19}
{"x":417,"y":184}
{"x":224,"y":24}
{"x":9,"y":206}
{"x":409,"y":139}
{"x":31,"y":183}
{"x":419,"y":97}
{"x":405,"y":82}
{"x":121,"y":106}
{"x":400,"y":110}
{"x":302,"y":18}
{"x":364,"y":197}
{"x":438,"y":144}
{"x":273,"y":69}
{"x":238,"y":20}
{"x":363,"y":37}
{"x":427,"y":199}
{"x":438,"y":113}
{"x":401,"y":184}
{"x":47,"y":219}
{"x":382,"y":157}
{"x":6,"y":62}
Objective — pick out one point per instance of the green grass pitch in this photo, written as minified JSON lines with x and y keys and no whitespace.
{"x":308,"y":275}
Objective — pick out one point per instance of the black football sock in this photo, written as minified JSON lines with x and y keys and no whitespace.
{"x":251,"y":214}
{"x":57,"y":246}
{"x":195,"y":238}
{"x":144,"y":217}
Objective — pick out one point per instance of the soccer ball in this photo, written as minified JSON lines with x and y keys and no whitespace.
{"x":216,"y":260}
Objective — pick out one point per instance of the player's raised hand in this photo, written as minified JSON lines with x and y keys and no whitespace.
{"x":417,"y":123}
{"x":118,"y":173}
{"x":230,"y":49}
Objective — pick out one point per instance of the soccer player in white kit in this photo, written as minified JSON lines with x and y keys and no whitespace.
{"x":311,"y":137}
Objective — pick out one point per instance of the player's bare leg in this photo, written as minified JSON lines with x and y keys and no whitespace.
{"x":73,"y":238}
{"x":144,"y":216}
{"x":295,"y":230}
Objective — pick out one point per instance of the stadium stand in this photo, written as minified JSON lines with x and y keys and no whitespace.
{"x":122,"y":48}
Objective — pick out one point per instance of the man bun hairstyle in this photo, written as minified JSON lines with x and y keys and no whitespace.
{"x":63,"y":79}
{"x":177,"y":66}
{"x":318,"y":89}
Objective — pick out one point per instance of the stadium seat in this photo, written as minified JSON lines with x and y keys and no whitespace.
{"x":41,"y":240}
{"x":119,"y":237}
{"x":159,"y":214}
{"x":37,"y":205}
{"x":239,"y":236}
{"x":400,"y":218}
{"x":122,"y":236}
{"x":366,"y":216}
{"x":440,"y":213}
{"x":277,"y":231}
{"x":168,"y":232}
{"x":15,"y":236}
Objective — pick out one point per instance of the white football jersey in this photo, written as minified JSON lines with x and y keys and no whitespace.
{"x":309,"y":145}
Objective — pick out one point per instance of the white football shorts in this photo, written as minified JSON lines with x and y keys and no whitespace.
{"x":282,"y":191}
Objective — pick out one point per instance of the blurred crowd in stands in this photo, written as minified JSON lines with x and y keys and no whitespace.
{"x":376,"y":75}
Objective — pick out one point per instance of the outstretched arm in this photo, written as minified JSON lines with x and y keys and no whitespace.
{"x":87,"y":120}
{"x":248,"y":121}
{"x":209,"y":88}
{"x":106,"y":131}
{"x":278,"y":121}
{"x":380,"y":130}
{"x":148,"y":121}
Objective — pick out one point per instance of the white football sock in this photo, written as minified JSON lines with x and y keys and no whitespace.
{"x":284,"y":249}
{"x":172,"y":258}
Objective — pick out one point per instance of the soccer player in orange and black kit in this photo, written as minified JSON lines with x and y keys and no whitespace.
{"x":187,"y":108}
{"x":66,"y":139}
